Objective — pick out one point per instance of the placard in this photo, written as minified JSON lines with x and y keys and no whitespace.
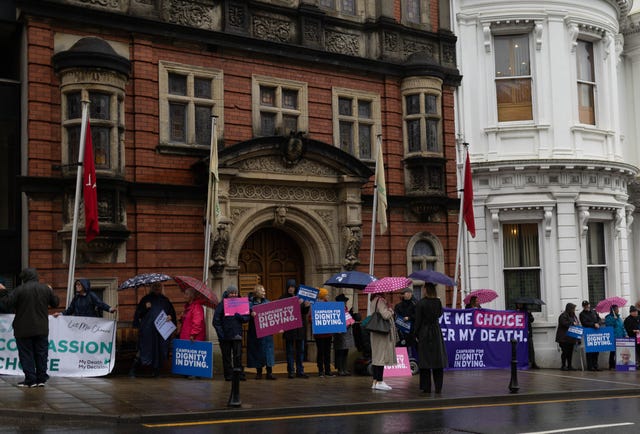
{"x":164,"y":327}
{"x":402,"y":325}
{"x":277,"y":316}
{"x":192,"y":358}
{"x":575,"y":332}
{"x":598,"y":340}
{"x":328,"y":317}
{"x":402,"y":368}
{"x":308,"y":293}
{"x":233,"y":305}
{"x":626,"y":354}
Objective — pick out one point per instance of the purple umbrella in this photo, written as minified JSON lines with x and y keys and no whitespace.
{"x":432,"y":276}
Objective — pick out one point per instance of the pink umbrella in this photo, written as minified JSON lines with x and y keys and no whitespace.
{"x":388,"y":284}
{"x":605,"y":305}
{"x":186,"y":282}
{"x":484,"y":296}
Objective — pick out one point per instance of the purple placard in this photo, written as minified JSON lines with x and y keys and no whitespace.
{"x":233,"y":305}
{"x":277,"y":316}
{"x":481,"y":338}
{"x":402,"y":368}
{"x":625,"y":354}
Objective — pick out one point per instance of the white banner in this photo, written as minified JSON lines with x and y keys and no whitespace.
{"x":79,"y":346}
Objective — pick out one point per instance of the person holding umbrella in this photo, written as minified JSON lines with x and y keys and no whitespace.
{"x":383,"y":345}
{"x":432,"y":354}
{"x":614,"y":320}
{"x":153,"y":349}
{"x":193,"y":326}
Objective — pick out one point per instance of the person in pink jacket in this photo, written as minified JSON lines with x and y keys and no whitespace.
{"x":192,"y":319}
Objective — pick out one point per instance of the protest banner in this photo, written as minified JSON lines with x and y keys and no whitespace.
{"x":277,"y":316}
{"x":400,"y":369}
{"x":78,"y":347}
{"x":328,"y":317}
{"x":625,"y":354}
{"x":308,"y":293}
{"x":481,"y":338}
{"x":192,"y":358}
{"x":164,"y":327}
{"x":233,"y":305}
{"x":597,"y":340}
{"x":402,"y":325}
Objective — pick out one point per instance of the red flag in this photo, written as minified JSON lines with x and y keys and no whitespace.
{"x":467,"y":198}
{"x":89,"y":190}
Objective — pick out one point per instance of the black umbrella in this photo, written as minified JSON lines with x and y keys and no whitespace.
{"x":144,"y":279}
{"x":527,"y":300}
{"x":350,"y":279}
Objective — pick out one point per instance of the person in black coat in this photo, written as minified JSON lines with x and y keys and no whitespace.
{"x":295,"y":339}
{"x":432,"y":353}
{"x":589,"y":319}
{"x":406,"y":310}
{"x":30,"y":302}
{"x":530,"y":319}
{"x":566,"y":319}
{"x":85,"y":302}
{"x":153,"y":349}
{"x":229,"y":331}
{"x":632,"y":327}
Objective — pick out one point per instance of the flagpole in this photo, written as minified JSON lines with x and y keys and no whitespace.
{"x":374,"y":215}
{"x":76,"y":205}
{"x":461,"y":234}
{"x":212,"y":198}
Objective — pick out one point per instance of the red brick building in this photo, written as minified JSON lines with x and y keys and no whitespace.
{"x":301,"y":90}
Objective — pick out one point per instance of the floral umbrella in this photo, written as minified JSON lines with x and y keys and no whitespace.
{"x":186,"y":282}
{"x":605,"y":305}
{"x":143,"y":280}
{"x":484,"y":296}
{"x":350,"y":279}
{"x":388,"y":284}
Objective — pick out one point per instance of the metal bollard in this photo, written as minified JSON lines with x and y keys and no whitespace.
{"x":234,"y":397}
{"x":513,"y":384}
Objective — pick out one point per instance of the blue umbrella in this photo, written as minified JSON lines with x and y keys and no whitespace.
{"x":143,"y":279}
{"x":350,"y":279}
{"x":432,"y":276}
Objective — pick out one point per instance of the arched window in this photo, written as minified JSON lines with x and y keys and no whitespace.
{"x":424,"y":252}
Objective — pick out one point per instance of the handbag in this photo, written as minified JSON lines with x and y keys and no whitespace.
{"x":377,"y":324}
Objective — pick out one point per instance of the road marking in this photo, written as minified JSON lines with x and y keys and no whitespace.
{"x":581,"y":428}
{"x":372,"y":412}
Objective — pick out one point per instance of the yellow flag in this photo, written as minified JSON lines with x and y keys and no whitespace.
{"x":381,"y":190}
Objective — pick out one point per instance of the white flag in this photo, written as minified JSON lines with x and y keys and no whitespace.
{"x":381,"y":190}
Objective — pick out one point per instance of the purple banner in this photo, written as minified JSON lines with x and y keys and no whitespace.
{"x":233,"y":305}
{"x":277,"y":316}
{"x":481,"y":338}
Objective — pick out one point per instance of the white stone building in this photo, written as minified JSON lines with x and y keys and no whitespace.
{"x":548,"y":108}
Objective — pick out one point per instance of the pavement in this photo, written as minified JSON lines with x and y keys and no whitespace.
{"x":168,"y":398}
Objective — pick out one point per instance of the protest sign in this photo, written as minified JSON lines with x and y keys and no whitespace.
{"x":625,"y":354}
{"x":402,"y":368}
{"x":164,"y":327}
{"x":481,"y":338}
{"x":277,"y":316}
{"x":575,"y":332}
{"x":192,"y":358}
{"x":402,"y":325}
{"x":308,"y":293}
{"x":328,"y":317}
{"x":349,"y":319}
{"x":233,"y":305}
{"x":78,"y":347}
{"x":597,"y":340}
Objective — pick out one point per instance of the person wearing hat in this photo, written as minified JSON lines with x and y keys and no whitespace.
{"x":590,"y":319}
{"x":566,"y":319}
{"x":342,"y":342}
{"x":295,"y":339}
{"x":229,"y":331}
{"x":406,"y":310}
{"x":632,"y":327}
{"x":323,"y":343}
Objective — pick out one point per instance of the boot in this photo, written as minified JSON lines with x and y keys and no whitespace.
{"x":270,"y":373}
{"x":134,"y":366}
{"x":259,"y":373}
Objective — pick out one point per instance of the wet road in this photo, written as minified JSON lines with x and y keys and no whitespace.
{"x":584,"y":414}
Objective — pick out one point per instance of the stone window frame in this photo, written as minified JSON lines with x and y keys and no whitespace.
{"x":437,"y":259}
{"x":109,"y":288}
{"x":115,"y":123}
{"x":422,"y":86}
{"x":375,"y":121}
{"x":336,"y":9}
{"x":423,"y":20}
{"x":279,"y":84}
{"x":164,"y":98}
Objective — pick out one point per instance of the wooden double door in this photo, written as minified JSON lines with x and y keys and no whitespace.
{"x":270,"y":257}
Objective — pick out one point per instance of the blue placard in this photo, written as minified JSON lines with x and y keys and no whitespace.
{"x":328,"y":317}
{"x":575,"y":332}
{"x":308,"y":293}
{"x":402,"y":325}
{"x":192,"y":358}
{"x":597,"y":340}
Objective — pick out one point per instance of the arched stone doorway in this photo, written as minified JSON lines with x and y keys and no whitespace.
{"x":271,"y":257}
